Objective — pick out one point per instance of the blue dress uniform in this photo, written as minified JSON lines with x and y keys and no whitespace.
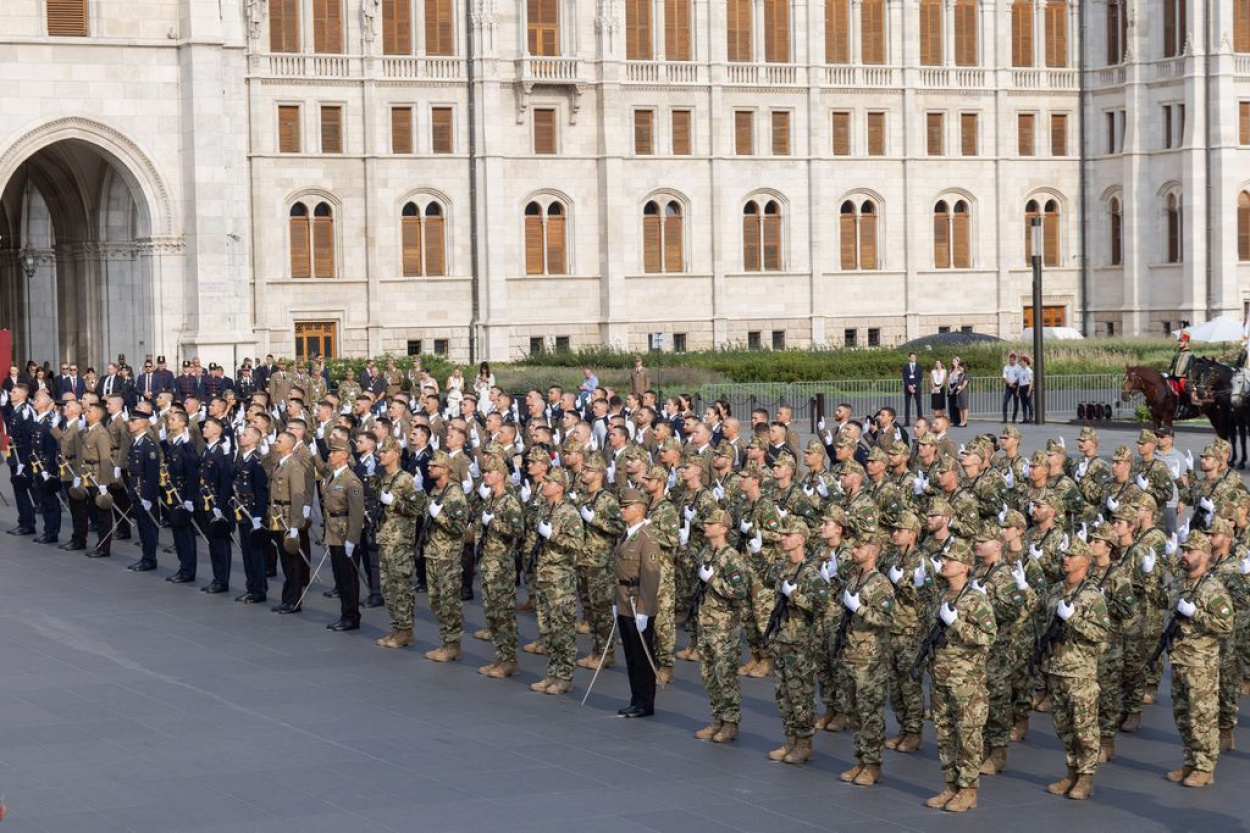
{"x":368,"y":470}
{"x":251,"y":489}
{"x":216,"y":480}
{"x":46,"y":483}
{"x":183,"y":463}
{"x":143,"y":469}
{"x":17,"y":419}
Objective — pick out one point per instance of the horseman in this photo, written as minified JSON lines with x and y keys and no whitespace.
{"x":1178,"y":370}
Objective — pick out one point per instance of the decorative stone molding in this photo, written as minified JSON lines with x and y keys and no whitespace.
{"x":607,"y":17}
{"x":483,"y":14}
{"x":255,"y":19}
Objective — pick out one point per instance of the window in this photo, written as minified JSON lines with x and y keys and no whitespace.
{"x":1056,"y":33}
{"x":761,"y":236}
{"x":67,"y":18}
{"x":536,"y":345}
{"x":931,"y":32}
{"x":662,"y":237}
{"x":638,"y":30}
{"x":1111,"y":131}
{"x":644,"y":132}
{"x":1024,"y":134}
{"x":781,"y":132}
{"x":968,"y":134}
{"x":753,"y":340}
{"x":777,"y":31}
{"x":872,"y":31}
{"x":1175,"y":233}
{"x":312,"y":241}
{"x":1243,"y":121}
{"x":1052,"y":316}
{"x":442,"y":130}
{"x":966,"y":33}
{"x":1058,"y":134}
{"x":677,"y":30}
{"x":679,"y":342}
{"x":1243,"y":226}
{"x":414,"y":347}
{"x":440,"y":347}
{"x":1241,"y":25}
{"x":857,"y":229}
{"x":952,"y":235}
{"x":315,"y":338}
{"x":779,"y":339}
{"x":1117,"y":232}
{"x":837,"y":31}
{"x":850,"y":337}
{"x":1174,"y":27}
{"x":545,"y":238}
{"x":744,"y":132}
{"x":876,"y":134}
{"x":841,"y":134}
{"x":440,"y":28}
{"x":542,"y":19}
{"x":739,"y":30}
{"x":288,"y":129}
{"x":681,"y":133}
{"x":1022,"y":33}
{"x":1049,"y":215}
{"x":966,"y":328}
{"x":943,"y":330}
{"x":327,"y":26}
{"x":544,"y":131}
{"x":874,"y":337}
{"x":1117,"y":31}
{"x":401,"y":130}
{"x":424,"y":239}
{"x":1167,"y":126}
{"x":332,"y":129}
{"x":284,"y":26}
{"x":934,"y":124}
{"x":396,"y":27}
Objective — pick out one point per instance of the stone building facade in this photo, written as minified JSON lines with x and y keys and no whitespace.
{"x":247,"y":176}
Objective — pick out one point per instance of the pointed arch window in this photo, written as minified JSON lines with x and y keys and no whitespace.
{"x":662,"y":236}
{"x":857,"y":227}
{"x":545,"y":238}
{"x":423,"y":235}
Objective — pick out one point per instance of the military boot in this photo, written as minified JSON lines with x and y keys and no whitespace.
{"x":582,"y":627}
{"x":869,"y":775}
{"x":893,"y":742}
{"x":1178,"y":775}
{"x":1150,"y":695}
{"x":964,"y":800}
{"x":689,"y":654}
{"x":995,"y":762}
{"x":486,"y":669}
{"x":801,"y":752}
{"x":664,"y":674}
{"x":1199,"y":778}
{"x":838,"y":723}
{"x":535,"y":647}
{"x":779,"y":754}
{"x":851,"y":774}
{"x":911,"y":742}
{"x":1020,"y":730}
{"x":1061,"y":787}
{"x":541,"y":685}
{"x":503,"y":669}
{"x":385,"y":641}
{"x":763,"y":668}
{"x":709,"y":731}
{"x":1082,"y":789}
{"x":1227,"y":741}
{"x":559,"y":686}
{"x":482,"y":634}
{"x":750,"y":664}
{"x":450,"y":652}
{"x":939,"y":801}
{"x":1131,"y":723}
{"x":1043,"y":704}
{"x":589,"y":661}
{"x":1106,"y":750}
{"x":1245,"y":688}
{"x":727,"y":734}
{"x":823,"y":720}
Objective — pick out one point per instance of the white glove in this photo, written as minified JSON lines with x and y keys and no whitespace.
{"x":117,"y":472}
{"x":1142,"y":482}
{"x":719,"y":493}
{"x":544,"y":529}
{"x":526,"y":492}
{"x":917,"y":485}
{"x":1245,"y":565}
{"x":820,"y":425}
{"x":45,"y":475}
{"x":948,"y":614}
{"x":1175,"y":468}
{"x":783,"y":513}
{"x":1035,"y":552}
{"x":255,"y":523}
{"x":1025,"y":468}
{"x":745,"y":526}
{"x":808,"y":490}
{"x":612,"y":472}
{"x":977,"y":586}
{"x":1002,"y":514}
{"x":1031,"y":507}
{"x":1186,"y":608}
{"x":672,"y":479}
{"x":613,"y":611}
{"x":474,"y":469}
{"x":705,"y":573}
{"x":386,"y":498}
{"x":467,"y":485}
{"x":1189,"y":460}
{"x":1065,"y":609}
{"x":147,"y":505}
{"x":1112,"y":504}
{"x":683,"y":535}
{"x":1182,"y":534}
{"x":828,"y":438}
{"x":588,"y":514}
{"x":822,"y":489}
{"x":483,"y":491}
{"x":787,"y":588}
{"x":102,"y":489}
{"x":895,"y":574}
{"x":850,"y":600}
{"x":307,"y":511}
{"x":515,"y":477}
{"x":519,"y":445}
{"x":188,"y":505}
{"x":1172,"y":545}
{"x":321,"y":432}
{"x":487,"y":517}
{"x":349,"y":546}
{"x":1083,"y":532}
{"x":687,"y":512}
{"x":292,"y":533}
{"x":217,"y":513}
{"x":1082,"y":469}
{"x":436,"y":509}
{"x":1010,"y":479}
{"x":1148,"y":562}
{"x":163,"y":434}
{"x":640,"y":621}
{"x":1205,"y":504}
{"x":757,"y":543}
{"x":1021,"y":577}
{"x":1064,"y":542}
{"x":919,"y":575}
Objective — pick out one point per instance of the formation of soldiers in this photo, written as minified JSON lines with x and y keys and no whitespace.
{"x":853,"y":567}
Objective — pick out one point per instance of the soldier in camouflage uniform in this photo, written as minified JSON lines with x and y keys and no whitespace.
{"x":502,"y":532}
{"x":798,"y":586}
{"x":1231,"y":570}
{"x":1111,"y":575}
{"x":984,"y":484}
{"x":1011,"y":530}
{"x":725,"y":607}
{"x":759,"y":531}
{"x":1071,"y":504}
{"x":960,"y":703}
{"x":402,"y":504}
{"x":860,"y":509}
{"x":902,"y":479}
{"x":562,"y":537}
{"x":1092,"y":473}
{"x":1011,"y":465}
{"x":1217,"y":486}
{"x":863,"y":642}
{"x":833,"y":553}
{"x":603,"y":525}
{"x":1071,"y":668}
{"x":819,"y":485}
{"x":1143,"y":561}
{"x":908,"y":572}
{"x":1152,"y":474}
{"x":449,"y":518}
{"x":698,"y":502}
{"x":1155,"y":602}
{"x":1205,"y":614}
{"x":537,"y":465}
{"x":1120,"y":490}
{"x":789,"y":497}
{"x":663,"y":521}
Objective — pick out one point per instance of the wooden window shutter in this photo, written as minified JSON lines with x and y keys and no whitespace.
{"x":440,"y":30}
{"x":638,"y":30}
{"x":961,"y":231}
{"x":288,"y":129}
{"x":966,"y":33}
{"x":1117,"y":232}
{"x":411,"y":244}
{"x":744,"y":132}
{"x":1050,"y":237}
{"x":556,"y":259}
{"x":1058,"y":134}
{"x":331,"y":129}
{"x":751,"y":239}
{"x":284,"y":26}
{"x":644,"y":132}
{"x":677,"y":30}
{"x":401,"y":130}
{"x":847,"y":235}
{"x":435,"y":244}
{"x":1022,"y":33}
{"x":837,"y":31}
{"x":673,"y":242}
{"x":777,"y":31}
{"x":933,"y":133}
{"x":651,"y":242}
{"x":1243,"y":226}
{"x":397,"y":27}
{"x":931,"y":32}
{"x":681,"y":132}
{"x":1170,"y":35}
{"x":867,"y":240}
{"x":872,"y":19}
{"x":1056,"y":33}
{"x":442,"y":130}
{"x":1024,"y":134}
{"x":876,"y":134}
{"x":323,"y":247}
{"x":67,"y":18}
{"x":941,"y":239}
{"x":1030,"y":212}
{"x":772,"y":242}
{"x":1241,"y":25}
{"x":544,"y":131}
{"x":534,"y":256}
{"x":327,"y":26}
{"x":781,"y":132}
{"x":1243,"y":122}
{"x":1174,"y":232}
{"x":842,"y":134}
{"x":738,"y":30}
{"x":301,"y":266}
{"x":543,"y":27}
{"x":968,"y":139}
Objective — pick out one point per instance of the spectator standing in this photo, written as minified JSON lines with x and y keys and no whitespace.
{"x":937,"y":387}
{"x":1011,"y":388}
{"x":484,"y":382}
{"x":639,"y":378}
{"x":1026,"y":388}
{"x":957,"y":393}
{"x":913,"y":373}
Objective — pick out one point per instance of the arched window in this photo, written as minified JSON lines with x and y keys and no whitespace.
{"x":312,"y":241}
{"x":837,"y":31}
{"x":952,"y":235}
{"x":761,"y":236}
{"x":323,"y":241}
{"x":1031,"y":213}
{"x":300,"y":231}
{"x":1022,"y":33}
{"x":941,"y":235}
{"x":1173,"y":214}
{"x":1056,"y":33}
{"x":931,"y":32}
{"x":777,"y":31}
{"x":638,"y":30}
{"x":1050,"y":234}
{"x":858,"y":232}
{"x":1243,"y":225}
{"x":1117,"y":232}
{"x":966,"y":33}
{"x":872,"y":31}
{"x":545,"y":247}
{"x":424,"y":239}
{"x":662,"y":237}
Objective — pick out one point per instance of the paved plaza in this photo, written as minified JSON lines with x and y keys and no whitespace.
{"x":129,"y":704}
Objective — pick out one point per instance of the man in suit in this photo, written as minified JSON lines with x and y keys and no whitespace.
{"x":162,"y":377}
{"x":112,"y":382}
{"x":913,"y":373}
{"x":72,"y":383}
{"x":637,"y":558}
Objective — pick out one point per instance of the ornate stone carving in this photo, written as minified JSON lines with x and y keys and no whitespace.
{"x":255,"y":18}
{"x":483,"y":14}
{"x":369,"y":10}
{"x":607,"y":17}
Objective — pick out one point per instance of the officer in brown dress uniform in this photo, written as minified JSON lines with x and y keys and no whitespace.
{"x":637,"y":558}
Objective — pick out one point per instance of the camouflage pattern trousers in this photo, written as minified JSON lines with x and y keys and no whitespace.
{"x":1243,"y":647}
{"x":1195,"y":706}
{"x":1021,"y":680}
{"x":1111,"y":686}
{"x":443,"y":576}
{"x":762,"y":601}
{"x":398,"y":567}
{"x":906,"y":694}
{"x":794,"y":666}
{"x":499,"y":604}
{"x":719,"y":645}
{"x":1000,"y":665}
{"x":666,"y":620}
{"x":595,"y":585}
{"x":556,"y":606}
{"x":1230,"y":681}
{"x":960,"y":708}
{"x":831,"y":672}
{"x":1139,"y":641}
{"x":1074,"y":706}
{"x":1154,"y":616}
{"x":867,"y":707}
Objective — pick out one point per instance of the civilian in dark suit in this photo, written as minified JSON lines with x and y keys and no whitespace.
{"x":913,"y":374}
{"x":260,"y":376}
{"x":73,"y":383}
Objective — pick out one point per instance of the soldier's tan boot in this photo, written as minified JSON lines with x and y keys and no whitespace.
{"x":1178,"y":775}
{"x":1131,"y":723}
{"x":964,"y":800}
{"x":1150,"y":695}
{"x":823,"y":720}
{"x":910,"y":742}
{"x":560,"y":687}
{"x":763,"y":668}
{"x":893,"y":742}
{"x":486,"y":670}
{"x":779,"y":754}
{"x":664,"y":674}
{"x":582,"y":627}
{"x":995,"y":762}
{"x":1106,"y":750}
{"x":749,"y":666}
{"x":1020,"y":730}
{"x":482,"y":634}
{"x":450,"y":652}
{"x":589,"y":661}
{"x":838,"y":724}
{"x":851,"y":774}
{"x":801,"y":753}
{"x":526,"y":607}
{"x":1043,"y":704}
{"x":1082,"y":789}
{"x":709,"y":731}
{"x":728,"y":733}
{"x":1245,"y":689}
{"x":869,"y":775}
{"x":1062,"y":786}
{"x":385,"y":641}
{"x":688,"y":654}
{"x":1227,"y":742}
{"x":940,"y":800}
{"x":541,"y":685}
{"x":403,"y":638}
{"x":505,"y":669}
{"x":1199,"y":778}
{"x":535,"y":647}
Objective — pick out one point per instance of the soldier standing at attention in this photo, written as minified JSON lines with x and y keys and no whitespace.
{"x":449,"y":517}
{"x":1112,"y":572}
{"x":401,"y":505}
{"x":503,"y":530}
{"x":251,"y":496}
{"x":637,"y":558}
{"x":601,"y":516}
{"x":960,"y":703}
{"x":665,"y":527}
{"x":562,"y":536}
{"x":724,"y":607}
{"x":143,"y":464}
{"x":904,"y":566}
{"x":1006,"y":587}
{"x":343,"y":501}
{"x":289,"y":500}
{"x":1231,"y":570}
{"x":97,"y":471}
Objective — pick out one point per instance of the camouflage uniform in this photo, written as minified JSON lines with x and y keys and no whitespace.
{"x":725,"y":607}
{"x":1122,"y":608}
{"x":1093,"y":477}
{"x":1158,"y":483}
{"x":911,"y":604}
{"x":1221,"y":489}
{"x":556,"y":583}
{"x":396,"y":536}
{"x":831,"y":672}
{"x":1228,"y":571}
{"x":795,"y":644}
{"x":764,"y":520}
{"x":665,"y":526}
{"x":1009,"y":604}
{"x":443,"y":549}
{"x":697,"y":507}
{"x":595,"y":570}
{"x":1140,"y":636}
{"x":866,"y":652}
{"x":499,"y":542}
{"x":1071,"y":670}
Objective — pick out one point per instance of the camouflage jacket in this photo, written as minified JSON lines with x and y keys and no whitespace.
{"x":1222,"y":489}
{"x":1076,"y":654}
{"x":398,"y":522}
{"x":727,"y":599}
{"x":1116,"y":588}
{"x":506,"y":531}
{"x":1008,"y":602}
{"x":1093,"y":474}
{"x":868,"y":632}
{"x":1158,"y":480}
{"x":911,"y":603}
{"x":698,"y":505}
{"x":447,"y":530}
{"x":1228,"y":571}
{"x":558,"y":554}
{"x":766,"y":523}
{"x":968,"y":640}
{"x":1070,"y":499}
{"x":1050,"y":543}
{"x":1148,"y":588}
{"x":1197,"y":644}
{"x":793,"y":501}
{"x":806,"y":604}
{"x":664,"y":521}
{"x":602,"y":531}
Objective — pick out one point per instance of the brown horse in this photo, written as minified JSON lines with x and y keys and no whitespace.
{"x":1160,"y":398}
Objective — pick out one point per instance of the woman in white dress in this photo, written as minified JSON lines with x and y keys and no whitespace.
{"x":937,"y":386}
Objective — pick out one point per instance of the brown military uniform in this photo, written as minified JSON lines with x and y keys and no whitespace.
{"x":288,"y":495}
{"x":638,"y":559}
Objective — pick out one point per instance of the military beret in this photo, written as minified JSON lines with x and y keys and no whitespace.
{"x":1122,"y":454}
{"x":1056,"y":447}
{"x":1147,"y":437}
{"x":852,"y":467}
{"x":927,"y":439}
{"x":900,"y":448}
{"x":815,"y":447}
{"x":846,"y":441}
{"x":1088,"y":433}
{"x":943,"y":464}
{"x":655,"y":472}
{"x":1125,"y":513}
{"x":595,"y":462}
{"x":958,"y":550}
{"x":907,"y":520}
{"x":1010,"y":432}
{"x":1145,"y":500}
{"x":1209,"y":451}
{"x":440,"y":458}
{"x":794,"y":525}
{"x":837,"y":515}
{"x":671,"y":444}
{"x":752,"y":469}
{"x":632,"y":497}
{"x":1039,"y":458}
{"x":1078,"y":548}
{"x":724,"y":449}
{"x":1014,"y":518}
{"x":1104,"y":532}
{"x":494,"y":463}
{"x":538,"y":455}
{"x":1220,"y":526}
{"x":786,"y":460}
{"x":878,"y":456}
{"x":939,"y":506}
{"x":1197,"y":540}
{"x":718,"y":516}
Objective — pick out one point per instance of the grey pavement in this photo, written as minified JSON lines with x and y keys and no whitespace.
{"x":127,"y":703}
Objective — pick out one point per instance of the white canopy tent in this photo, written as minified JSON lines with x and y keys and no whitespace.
{"x":1224,"y":328}
{"x":1054,"y":334}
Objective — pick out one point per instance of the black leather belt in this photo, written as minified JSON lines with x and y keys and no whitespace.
{"x":630,"y":582}
{"x":337,"y":514}
{"x":282,"y":503}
